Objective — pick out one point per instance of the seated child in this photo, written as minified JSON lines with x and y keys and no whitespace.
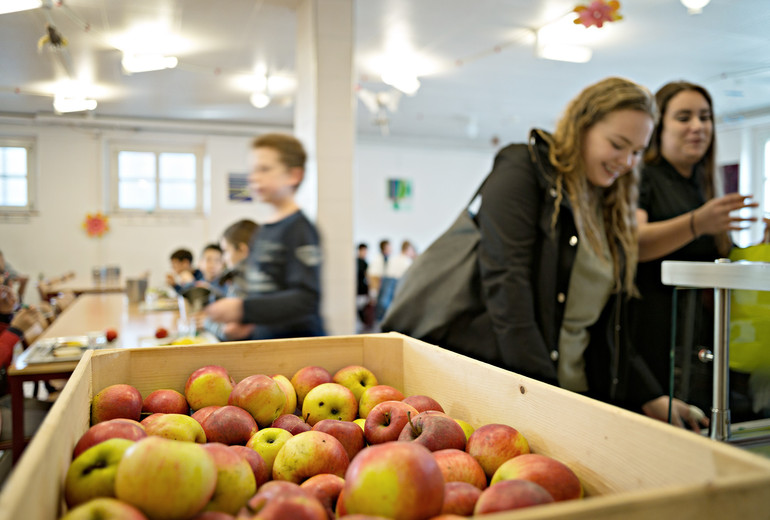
{"x":183,"y":275}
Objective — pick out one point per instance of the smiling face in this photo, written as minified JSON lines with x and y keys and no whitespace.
{"x":688,"y":130}
{"x":614,"y":145}
{"x":270,"y":179}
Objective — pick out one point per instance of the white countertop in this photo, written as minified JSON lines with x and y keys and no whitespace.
{"x":730,"y":275}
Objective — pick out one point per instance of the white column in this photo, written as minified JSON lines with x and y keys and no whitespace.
{"x":324,"y":119}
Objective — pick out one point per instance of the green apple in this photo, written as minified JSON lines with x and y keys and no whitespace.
{"x":92,"y":473}
{"x":261,"y":396}
{"x":310,"y":453}
{"x":329,"y":401}
{"x":235,"y":479}
{"x":467,"y":428}
{"x":394,"y":480}
{"x":268,"y":442}
{"x":356,"y":378}
{"x":174,"y":426}
{"x":208,"y":386}
{"x":553,"y":475}
{"x":104,"y":507}
{"x":165,"y":478}
{"x":288,"y":389}
{"x":116,"y":401}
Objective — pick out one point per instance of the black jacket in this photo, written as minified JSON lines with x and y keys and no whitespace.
{"x":525,"y":265}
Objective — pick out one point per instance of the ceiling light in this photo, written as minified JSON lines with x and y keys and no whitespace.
{"x":260,"y":99}
{"x":13,"y":6}
{"x":64,"y":104}
{"x":147,"y":62}
{"x":403,"y":81}
{"x":695,"y":6}
{"x":564,"y":52}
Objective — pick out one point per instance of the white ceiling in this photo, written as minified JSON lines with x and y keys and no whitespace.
{"x":475,"y":59}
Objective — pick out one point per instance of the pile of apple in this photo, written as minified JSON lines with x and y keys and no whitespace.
{"x":316,"y":447}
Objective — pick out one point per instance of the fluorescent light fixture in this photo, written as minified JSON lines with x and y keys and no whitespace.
{"x":13,"y":6}
{"x":64,"y":104}
{"x":695,"y":6}
{"x":564,"y":52}
{"x":147,"y":62}
{"x":260,"y":99}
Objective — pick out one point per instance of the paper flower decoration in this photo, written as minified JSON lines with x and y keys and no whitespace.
{"x":597,"y":12}
{"x":96,"y":224}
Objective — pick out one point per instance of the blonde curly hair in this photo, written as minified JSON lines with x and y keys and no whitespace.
{"x":618,"y":202}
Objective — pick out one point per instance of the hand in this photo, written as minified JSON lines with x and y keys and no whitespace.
{"x":714,"y":216}
{"x":8,"y":299}
{"x":236,"y":331}
{"x":680,"y":412}
{"x":170,"y":280}
{"x":225,"y":310}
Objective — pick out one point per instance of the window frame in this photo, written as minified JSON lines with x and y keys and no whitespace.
{"x":30,"y":144}
{"x":157,"y":149}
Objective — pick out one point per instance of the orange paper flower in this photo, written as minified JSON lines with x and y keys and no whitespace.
{"x":598,"y":12}
{"x":96,"y":224}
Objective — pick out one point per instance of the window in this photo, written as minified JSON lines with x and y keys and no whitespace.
{"x":16,"y":175}
{"x":153,"y":179}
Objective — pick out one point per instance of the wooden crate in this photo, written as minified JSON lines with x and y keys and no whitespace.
{"x":632,"y":467}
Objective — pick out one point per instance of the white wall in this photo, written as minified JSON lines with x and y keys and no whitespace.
{"x":444,"y":178}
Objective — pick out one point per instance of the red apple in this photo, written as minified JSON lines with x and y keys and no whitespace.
{"x":161,"y":333}
{"x":267,"y":492}
{"x":229,"y":425}
{"x":396,"y":480}
{"x":307,"y":454}
{"x":174,"y":426}
{"x":307,"y":378}
{"x":556,"y":477}
{"x":213,"y":515}
{"x":356,"y":378}
{"x":423,"y":403}
{"x":114,"y":428}
{"x":434,"y":430}
{"x":459,"y":466}
{"x":326,"y":488}
{"x":375,"y":395}
{"x":110,"y":335}
{"x":511,"y":494}
{"x":104,"y":508}
{"x":200,"y":415}
{"x":329,"y":401}
{"x":460,"y":498}
{"x":235,"y":480}
{"x":165,"y":400}
{"x":350,"y":435}
{"x":261,"y":396}
{"x":493,"y":444}
{"x":207,"y":386}
{"x":295,"y":507}
{"x":116,"y":401}
{"x":386,"y":420}
{"x":293,"y":424}
{"x":256,"y":462}
{"x":288,"y":389}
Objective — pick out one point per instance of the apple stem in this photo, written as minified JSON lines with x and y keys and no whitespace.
{"x":415,"y":431}
{"x":307,"y":416}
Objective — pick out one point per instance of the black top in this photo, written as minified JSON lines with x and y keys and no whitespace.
{"x":363,"y":283}
{"x":283,"y":277}
{"x":525,"y":266}
{"x":664,"y":194}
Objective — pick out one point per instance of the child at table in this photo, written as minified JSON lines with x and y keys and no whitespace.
{"x":284,"y":266}
{"x":235,"y":250}
{"x":183,"y":274}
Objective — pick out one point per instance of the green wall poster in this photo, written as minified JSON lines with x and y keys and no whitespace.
{"x":400,"y":193}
